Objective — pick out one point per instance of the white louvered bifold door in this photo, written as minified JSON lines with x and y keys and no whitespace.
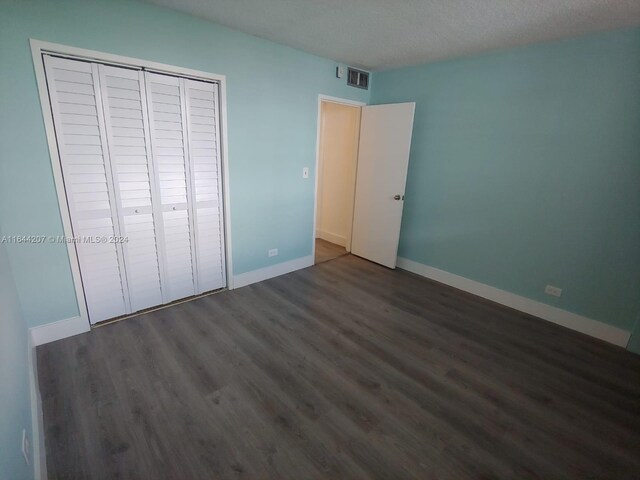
{"x":206,"y":177}
{"x":140,"y":156}
{"x":77,"y":111}
{"x":127,"y":130}
{"x":185,"y":136}
{"x":171,"y":160}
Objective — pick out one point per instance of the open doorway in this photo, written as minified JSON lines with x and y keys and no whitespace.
{"x":338,"y":137}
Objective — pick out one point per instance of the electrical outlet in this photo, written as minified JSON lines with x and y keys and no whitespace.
{"x":305,"y":172}
{"x":26,"y":446}
{"x":273,"y":252}
{"x":551,"y":290}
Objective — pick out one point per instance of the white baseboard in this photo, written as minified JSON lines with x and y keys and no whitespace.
{"x":597,"y":329}
{"x":37,"y":422}
{"x":332,"y":237}
{"x":265,"y":273}
{"x":59,"y":330}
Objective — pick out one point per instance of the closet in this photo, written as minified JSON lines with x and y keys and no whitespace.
{"x":141,"y":164}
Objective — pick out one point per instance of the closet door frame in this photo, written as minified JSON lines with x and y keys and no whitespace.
{"x":40,"y":48}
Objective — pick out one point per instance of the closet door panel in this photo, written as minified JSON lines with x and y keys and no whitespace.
{"x":125,"y":111}
{"x":170,"y":155}
{"x":204,"y":148}
{"x":140,"y":156}
{"x":77,"y":112}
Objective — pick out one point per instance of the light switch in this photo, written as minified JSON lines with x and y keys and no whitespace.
{"x":305,"y":172}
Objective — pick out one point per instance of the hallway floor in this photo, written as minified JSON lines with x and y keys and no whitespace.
{"x":326,"y":251}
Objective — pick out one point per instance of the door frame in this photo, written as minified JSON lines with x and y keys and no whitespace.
{"x":340,"y":101}
{"x":38,"y":48}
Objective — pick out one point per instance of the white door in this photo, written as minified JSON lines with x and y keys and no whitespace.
{"x":141,"y":160}
{"x":132,"y":170}
{"x":183,"y":115}
{"x":201,"y":107}
{"x":383,"y":159}
{"x":74,"y":89}
{"x":167,"y":117}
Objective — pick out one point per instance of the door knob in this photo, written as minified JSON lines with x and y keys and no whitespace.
{"x":398,"y":197}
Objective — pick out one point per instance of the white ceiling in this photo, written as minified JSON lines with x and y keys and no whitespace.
{"x":380,"y":34}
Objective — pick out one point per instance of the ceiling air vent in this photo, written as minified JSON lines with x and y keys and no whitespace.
{"x":358,"y":78}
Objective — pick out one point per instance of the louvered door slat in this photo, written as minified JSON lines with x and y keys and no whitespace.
{"x":85,"y":164}
{"x":123,"y":97}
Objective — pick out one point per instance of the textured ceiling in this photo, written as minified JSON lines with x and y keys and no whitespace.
{"x":379,"y":34}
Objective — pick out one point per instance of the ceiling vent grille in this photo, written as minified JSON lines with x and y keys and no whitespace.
{"x":358,"y":78}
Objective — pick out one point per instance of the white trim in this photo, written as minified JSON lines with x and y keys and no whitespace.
{"x":265,"y":273}
{"x":342,"y":101}
{"x":585,"y":325}
{"x":58,"y":330}
{"x":226,"y":204}
{"x":332,"y":237}
{"x":38,"y":453}
{"x":39,"y":47}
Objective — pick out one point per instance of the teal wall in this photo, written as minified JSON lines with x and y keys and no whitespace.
{"x":15,"y":401}
{"x":272,"y":99}
{"x":634,"y":341}
{"x":525,"y":170}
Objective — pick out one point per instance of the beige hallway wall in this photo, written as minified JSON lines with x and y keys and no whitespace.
{"x":339,"y":130}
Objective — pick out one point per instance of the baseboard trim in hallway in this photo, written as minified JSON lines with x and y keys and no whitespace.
{"x":332,"y":238}
{"x":581,"y":324}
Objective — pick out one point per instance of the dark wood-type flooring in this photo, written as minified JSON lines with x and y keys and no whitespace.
{"x":342,"y":370}
{"x":326,"y":251}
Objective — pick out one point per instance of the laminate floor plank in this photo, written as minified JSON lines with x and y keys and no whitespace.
{"x":429,"y":389}
{"x":321,"y":376}
{"x":570,"y":388}
{"x":343,"y":370}
{"x":289,"y":408}
{"x":507,"y":348}
{"x":457,"y":371}
{"x":523,"y":348}
{"x":365,"y":374}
